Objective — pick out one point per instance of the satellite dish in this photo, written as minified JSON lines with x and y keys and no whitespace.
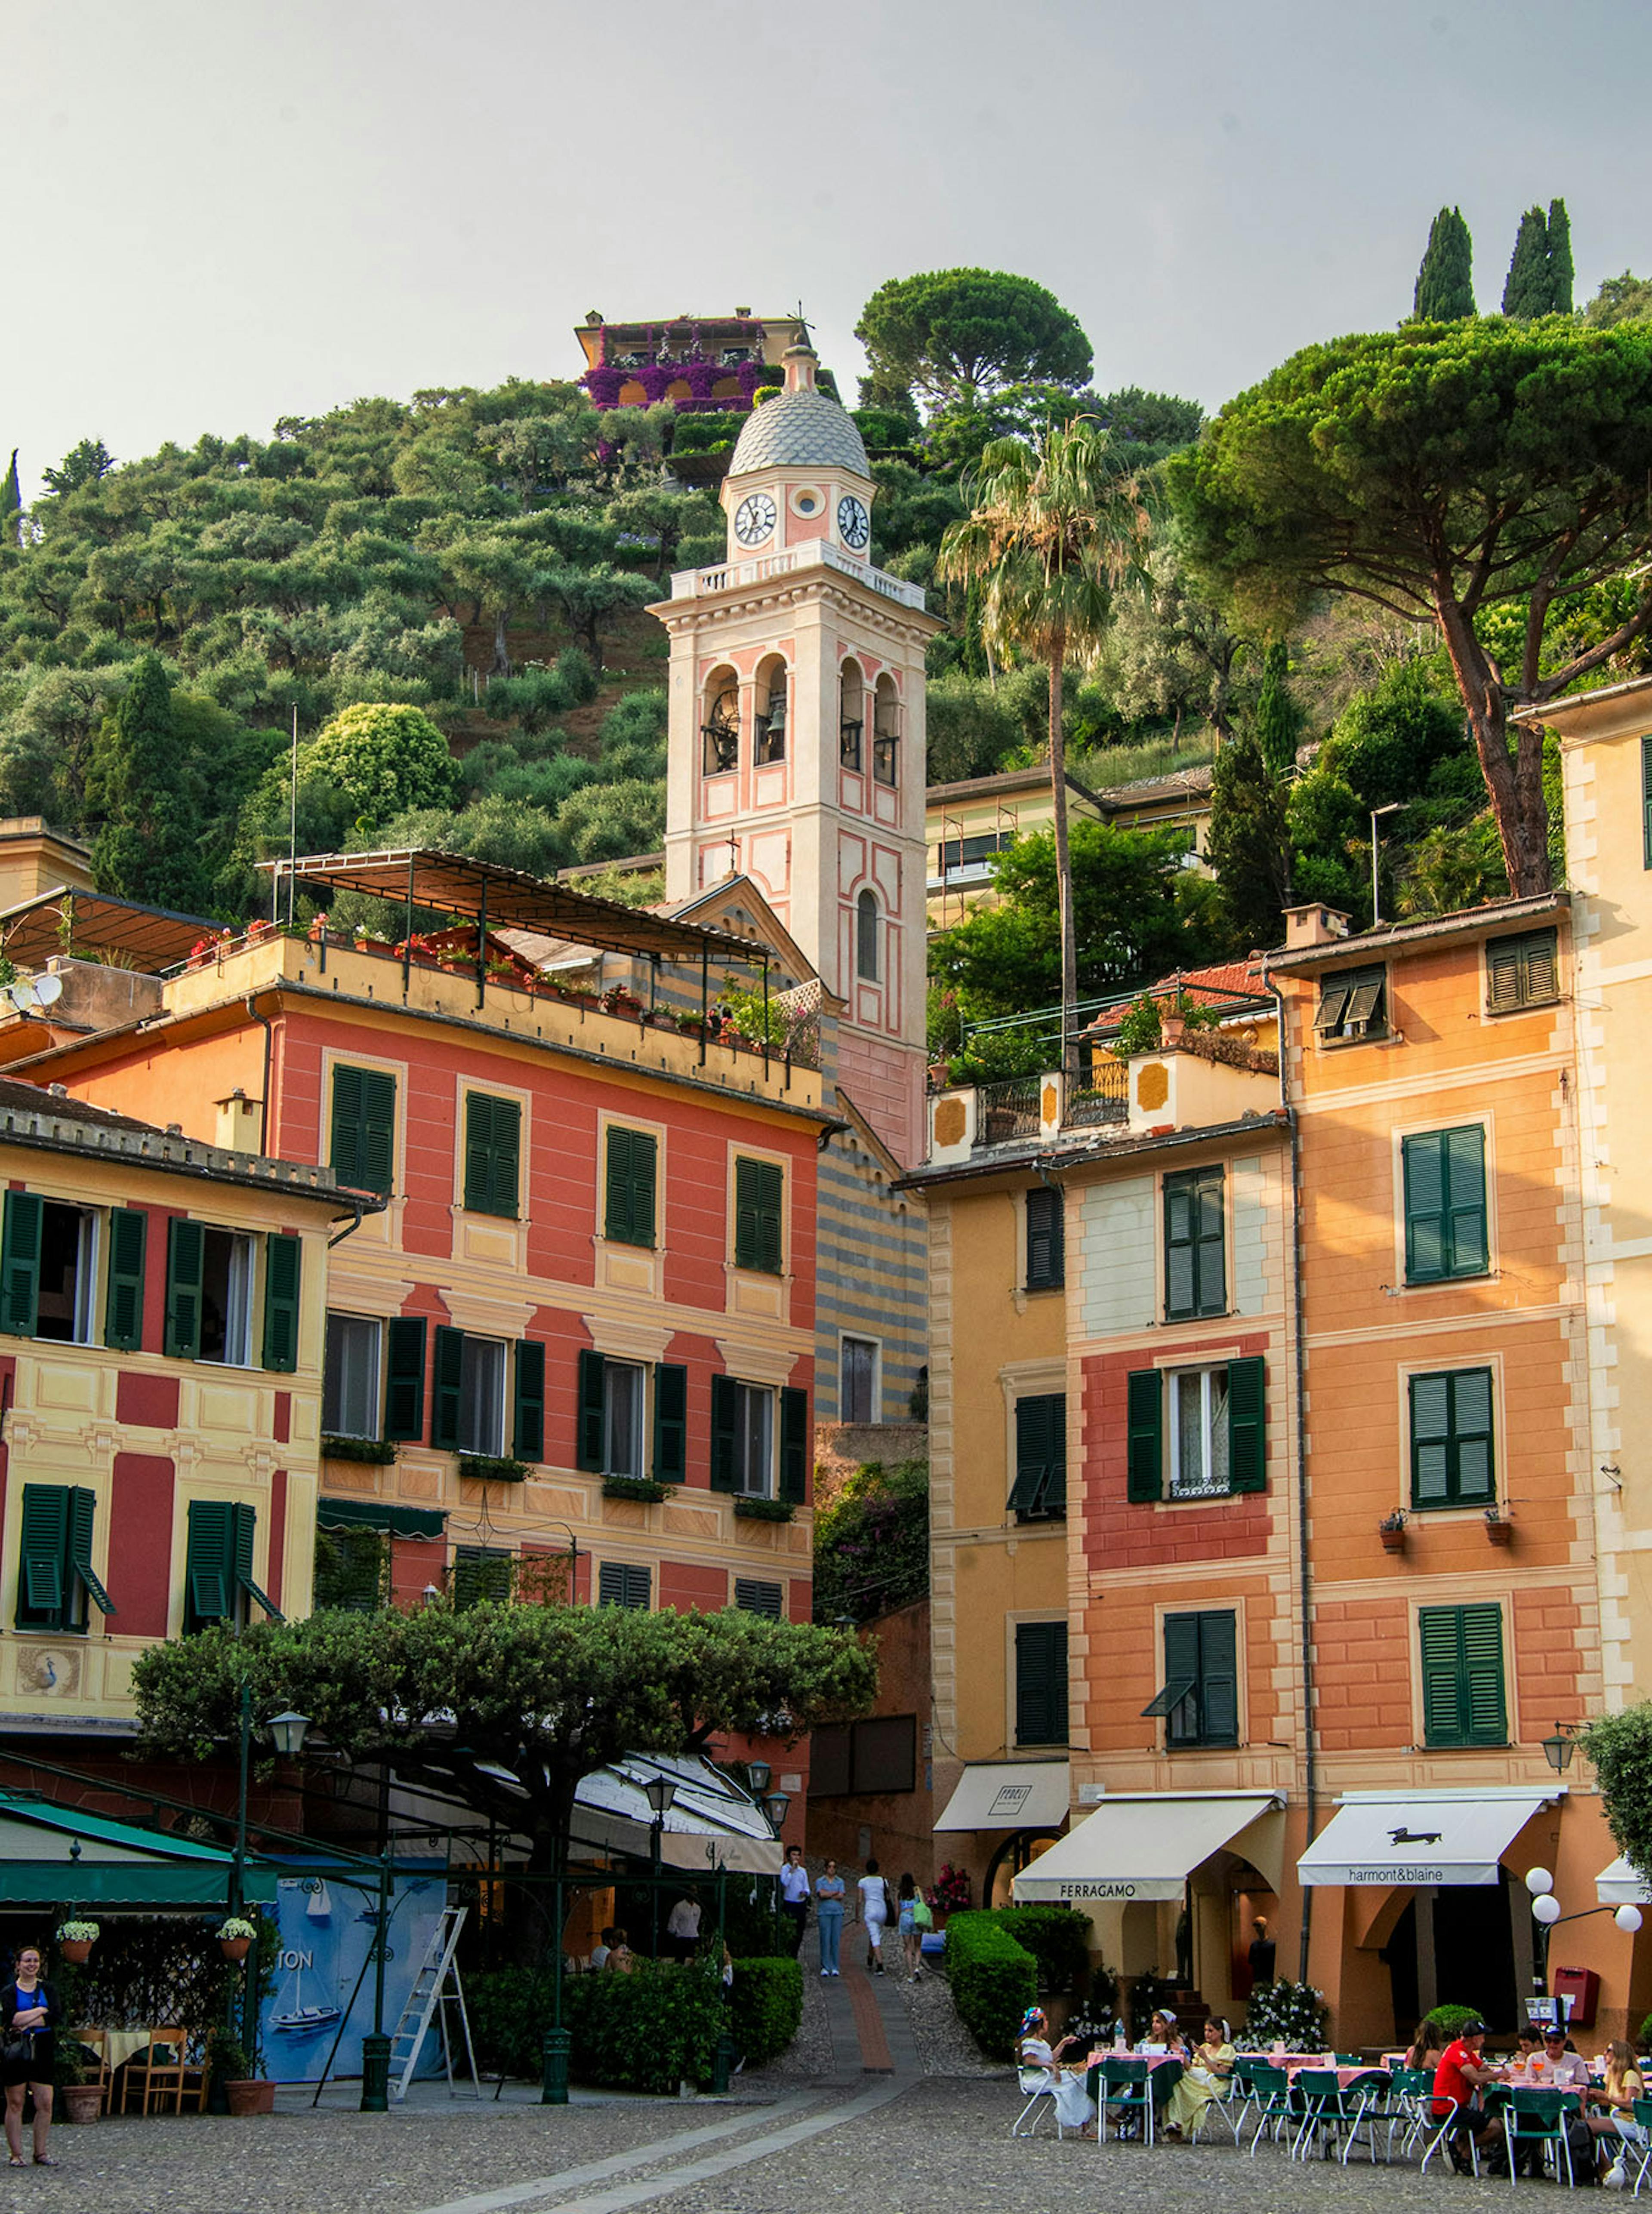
{"x":47,"y":989}
{"x":28,"y":994}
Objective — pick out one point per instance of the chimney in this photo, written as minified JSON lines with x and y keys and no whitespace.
{"x":800,"y":363}
{"x":1313,"y":925}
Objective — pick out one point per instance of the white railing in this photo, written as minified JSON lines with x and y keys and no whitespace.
{"x":695,"y":584}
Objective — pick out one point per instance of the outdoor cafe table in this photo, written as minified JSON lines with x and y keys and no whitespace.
{"x":119,"y":2045}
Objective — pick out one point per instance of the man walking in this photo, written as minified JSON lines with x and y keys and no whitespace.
{"x":794,"y":1894}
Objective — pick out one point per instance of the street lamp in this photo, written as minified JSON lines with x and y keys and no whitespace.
{"x":1393,"y":808}
{"x":287,"y":1729}
{"x":776,"y":1806}
{"x":1546,"y":1907}
{"x":757,"y":1775}
{"x":660,"y":1790}
{"x":1557,"y":1750}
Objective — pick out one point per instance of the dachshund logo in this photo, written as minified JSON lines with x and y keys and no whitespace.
{"x":1404,"y":1837}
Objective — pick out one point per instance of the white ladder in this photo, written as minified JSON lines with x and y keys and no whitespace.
{"x":429,"y":1998}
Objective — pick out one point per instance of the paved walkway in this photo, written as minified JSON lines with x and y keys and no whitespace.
{"x":871,"y":2033}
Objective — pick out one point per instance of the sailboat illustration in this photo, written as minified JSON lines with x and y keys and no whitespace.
{"x":299,"y":2020}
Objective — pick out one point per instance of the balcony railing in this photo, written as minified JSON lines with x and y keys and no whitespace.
{"x":1008,"y":1110}
{"x":695,"y":584}
{"x":1105,"y":1097}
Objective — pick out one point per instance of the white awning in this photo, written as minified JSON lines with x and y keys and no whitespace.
{"x":712,"y":1822}
{"x":1420,"y":1837}
{"x":1009,"y":1794}
{"x":1146,"y":1844}
{"x":1620,"y":1886}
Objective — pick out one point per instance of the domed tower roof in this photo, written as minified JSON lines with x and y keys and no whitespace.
{"x":800,"y":429}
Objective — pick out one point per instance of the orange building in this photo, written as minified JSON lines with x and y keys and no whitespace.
{"x":1452,"y":1586}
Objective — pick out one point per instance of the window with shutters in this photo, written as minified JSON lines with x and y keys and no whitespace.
{"x":754,"y":1440}
{"x":857,"y":1380}
{"x":351,"y":1396}
{"x":630,"y":1182}
{"x":1463,"y":1695}
{"x":752,"y":1598}
{"x":218,"y":1584}
{"x":352,"y":1570}
{"x":759,"y":1215}
{"x":623,"y":1583}
{"x":1040,"y":1683}
{"x":226,"y":1297}
{"x":481,"y":1395}
{"x":1443,"y":1172}
{"x":123,"y":1296}
{"x":757,"y":1449}
{"x":68,"y":1273}
{"x":1198,"y":1432}
{"x":480,"y":1572}
{"x":1353,"y":1006}
{"x":1452,"y":1463}
{"x":1039,"y":1492}
{"x":493,"y":1154}
{"x":624,"y":1449}
{"x":57,"y":1584}
{"x":1195,"y":1265}
{"x":1522,"y":972}
{"x":1200,"y":1698}
{"x":363,"y":1128}
{"x":1046,"y":1246}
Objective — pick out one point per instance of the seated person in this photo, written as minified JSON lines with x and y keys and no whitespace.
{"x":1067,"y":2085}
{"x":1526,"y":2062}
{"x":600,"y":1952}
{"x":1163,"y":2034}
{"x":1460,"y":2077}
{"x":1204,"y":2078}
{"x":1427,"y":2045}
{"x":621,"y":1958}
{"x":1563,"y":2067}
{"x":1616,"y":2097}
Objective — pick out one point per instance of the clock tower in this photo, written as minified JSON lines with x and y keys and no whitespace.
{"x":797,"y":737}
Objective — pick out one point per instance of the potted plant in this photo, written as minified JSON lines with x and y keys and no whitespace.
{"x":229,"y":2063}
{"x":951,"y":1895}
{"x":75,"y":1941}
{"x":80,"y":2095}
{"x":1391,"y":1531}
{"x":236,"y":1938}
{"x":1499,"y":1526}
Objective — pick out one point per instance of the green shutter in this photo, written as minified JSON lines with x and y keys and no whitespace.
{"x":725,"y":1414}
{"x":794,"y":1445}
{"x":363,"y":1128}
{"x":1046,"y":1257}
{"x":528,"y":1427}
{"x":1521,"y":972}
{"x":759,"y":1198}
{"x":186,"y":1254}
{"x":243,"y":1520}
{"x":447,"y":1382}
{"x":123,"y":1307}
{"x":284,"y":1256}
{"x":1483,"y":1706}
{"x":43,"y":1557}
{"x":1196,"y":1274}
{"x":82,"y":1514}
{"x":1463,"y":1696}
{"x":493,"y":1154}
{"x":1218,"y":1679}
{"x":1444,"y":1174}
{"x":1040,"y":1487}
{"x":1144,"y":1427}
{"x":624,"y":1583}
{"x":480,"y":1572}
{"x":670,"y":1422}
{"x":1247,"y":1441}
{"x":1452,"y":1457}
{"x":19,"y":1265}
{"x":1040,"y":1683}
{"x":209,"y":1564}
{"x":1466,"y":1200}
{"x":1179,"y":1695}
{"x":629,"y":1210}
{"x":1422,"y":1167}
{"x":591,"y":1447}
{"x":404,"y":1391}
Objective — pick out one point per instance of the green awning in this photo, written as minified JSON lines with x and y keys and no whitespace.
{"x":379,"y":1514}
{"x":63,"y":1856}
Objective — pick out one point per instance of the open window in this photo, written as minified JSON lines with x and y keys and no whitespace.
{"x":850,"y":715}
{"x":1353,"y":1006}
{"x":48,"y":1269}
{"x":719,"y":726}
{"x":351,"y":1395}
{"x":770,"y":729}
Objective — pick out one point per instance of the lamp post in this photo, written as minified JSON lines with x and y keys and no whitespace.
{"x":1546,"y":1907}
{"x":1393,"y":808}
{"x":287,"y":1731}
{"x":660,"y":1790}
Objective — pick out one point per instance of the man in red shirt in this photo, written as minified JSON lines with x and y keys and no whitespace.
{"x":1458,"y":2080}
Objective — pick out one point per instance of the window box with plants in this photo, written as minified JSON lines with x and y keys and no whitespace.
{"x":750,"y":1508}
{"x":1499,"y":1526}
{"x":493,"y":1468}
{"x":377,"y":1451}
{"x":643,"y":1487}
{"x":1391,"y":1531}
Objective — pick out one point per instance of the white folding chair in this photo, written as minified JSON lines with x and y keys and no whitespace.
{"x":1036,"y":2085}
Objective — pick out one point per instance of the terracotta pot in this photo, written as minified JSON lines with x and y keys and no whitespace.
{"x":81,"y":2102}
{"x":75,"y":1949}
{"x":1393,"y":1541}
{"x":234,"y":1948}
{"x":249,"y":2095}
{"x":1501,"y":1532}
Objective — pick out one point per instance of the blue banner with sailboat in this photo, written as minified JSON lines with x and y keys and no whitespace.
{"x":324,"y":1976}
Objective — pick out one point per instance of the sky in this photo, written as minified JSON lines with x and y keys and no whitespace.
{"x":222,"y":212}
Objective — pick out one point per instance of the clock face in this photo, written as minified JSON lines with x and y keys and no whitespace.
{"x":853,"y":523}
{"x":754,"y":518}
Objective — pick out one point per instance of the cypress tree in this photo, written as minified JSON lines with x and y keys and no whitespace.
{"x":149,"y":847}
{"x":11,"y":505}
{"x":1526,"y":291}
{"x":1560,"y":259}
{"x":1445,"y":283}
{"x":1279,"y":719}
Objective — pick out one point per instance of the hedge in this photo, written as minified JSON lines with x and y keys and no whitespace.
{"x":1058,"y":1937}
{"x":995,"y":1979}
{"x":647,"y":2031}
{"x":765,"y":2008}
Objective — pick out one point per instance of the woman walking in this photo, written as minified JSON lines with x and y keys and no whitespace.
{"x":911,"y":1937}
{"x":29,"y":2019}
{"x":828,"y":1917}
{"x":874,"y":1912}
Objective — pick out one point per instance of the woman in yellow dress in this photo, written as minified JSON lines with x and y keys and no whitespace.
{"x":1204,"y":2078}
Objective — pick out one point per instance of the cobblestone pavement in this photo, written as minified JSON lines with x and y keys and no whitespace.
{"x":888,"y":2145}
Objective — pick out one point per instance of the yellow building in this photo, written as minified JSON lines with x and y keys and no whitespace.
{"x":161,"y":1334}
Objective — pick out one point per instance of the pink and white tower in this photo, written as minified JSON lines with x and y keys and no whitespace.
{"x":797,"y":737}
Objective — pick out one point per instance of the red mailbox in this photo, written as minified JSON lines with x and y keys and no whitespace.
{"x":1582,"y":1987}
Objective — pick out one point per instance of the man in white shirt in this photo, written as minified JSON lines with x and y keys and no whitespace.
{"x":683,"y":1926}
{"x":794,"y":1894}
{"x":1567,"y":2070}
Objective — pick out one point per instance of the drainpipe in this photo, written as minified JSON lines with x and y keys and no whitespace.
{"x":350,"y":1228}
{"x":1304,"y":1567}
{"x":269,"y":1056}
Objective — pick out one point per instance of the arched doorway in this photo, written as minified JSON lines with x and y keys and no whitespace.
{"x":1016,"y":1853}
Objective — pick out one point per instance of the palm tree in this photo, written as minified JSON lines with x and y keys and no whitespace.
{"x":1053,"y":530}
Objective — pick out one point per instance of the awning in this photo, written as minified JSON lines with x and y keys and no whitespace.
{"x":710,"y":1824}
{"x":1420,"y":1837}
{"x":379,"y":1514}
{"x":89,"y":924}
{"x":1009,"y":1794}
{"x":1621,"y":1886}
{"x":1146,"y":1844}
{"x":62,"y":1856}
